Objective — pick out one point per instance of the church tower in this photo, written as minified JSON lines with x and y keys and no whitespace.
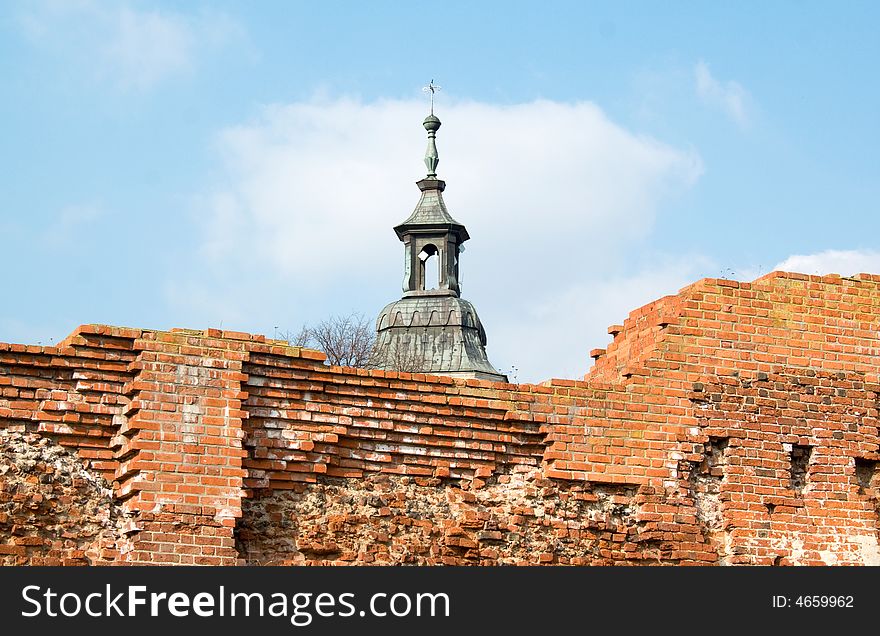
{"x":431,"y":329}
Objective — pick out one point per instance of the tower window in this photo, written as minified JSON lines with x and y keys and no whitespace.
{"x":430,"y":258}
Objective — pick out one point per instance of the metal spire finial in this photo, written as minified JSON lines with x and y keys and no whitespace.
{"x":431,"y":88}
{"x":431,"y":124}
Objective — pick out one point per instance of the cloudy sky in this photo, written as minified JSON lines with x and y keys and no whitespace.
{"x":241,"y":164}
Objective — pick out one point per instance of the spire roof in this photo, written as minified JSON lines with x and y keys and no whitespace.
{"x":431,"y":209}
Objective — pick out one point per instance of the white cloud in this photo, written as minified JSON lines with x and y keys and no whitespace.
{"x":729,"y":96}
{"x":843,"y":262}
{"x":131,"y":48}
{"x":317,"y":186}
{"x":556,"y":197}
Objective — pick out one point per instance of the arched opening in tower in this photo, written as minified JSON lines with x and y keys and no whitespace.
{"x":430,"y":258}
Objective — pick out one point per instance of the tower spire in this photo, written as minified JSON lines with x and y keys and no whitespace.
{"x":431,"y":329}
{"x":431,"y":124}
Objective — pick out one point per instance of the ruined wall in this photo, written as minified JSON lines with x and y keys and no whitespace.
{"x":514,"y":518}
{"x":731,"y":423}
{"x":348,"y":466}
{"x":53,"y":511}
{"x":775,"y":384}
{"x":156,"y":413}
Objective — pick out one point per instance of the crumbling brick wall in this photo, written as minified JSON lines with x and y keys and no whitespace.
{"x":53,"y":511}
{"x":514,"y":518}
{"x":731,"y":423}
{"x":772,"y":386}
{"x":156,"y":413}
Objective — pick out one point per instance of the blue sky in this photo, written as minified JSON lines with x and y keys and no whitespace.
{"x":242,"y":164}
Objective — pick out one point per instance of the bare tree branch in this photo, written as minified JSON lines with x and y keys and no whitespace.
{"x":347,"y":340}
{"x":301,"y":339}
{"x":350,"y":341}
{"x":397,"y":359}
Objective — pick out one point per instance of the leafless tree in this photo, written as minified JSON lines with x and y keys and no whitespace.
{"x":396,"y":359}
{"x":301,"y":339}
{"x":347,"y":340}
{"x":350,"y":341}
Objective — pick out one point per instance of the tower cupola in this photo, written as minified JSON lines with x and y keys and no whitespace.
{"x":431,"y":329}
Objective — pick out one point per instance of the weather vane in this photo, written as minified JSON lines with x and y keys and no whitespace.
{"x":431,"y":88}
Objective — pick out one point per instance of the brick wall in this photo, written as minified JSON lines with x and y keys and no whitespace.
{"x":730,"y":423}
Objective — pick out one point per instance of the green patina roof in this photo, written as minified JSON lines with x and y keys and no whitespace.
{"x":431,"y":209}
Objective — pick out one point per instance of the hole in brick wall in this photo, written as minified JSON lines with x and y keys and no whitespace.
{"x":705,"y":486}
{"x":770,"y":508}
{"x":866,"y":472}
{"x":714,"y":457}
{"x":777,"y":560}
{"x":613,"y":505}
{"x":800,"y":462}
